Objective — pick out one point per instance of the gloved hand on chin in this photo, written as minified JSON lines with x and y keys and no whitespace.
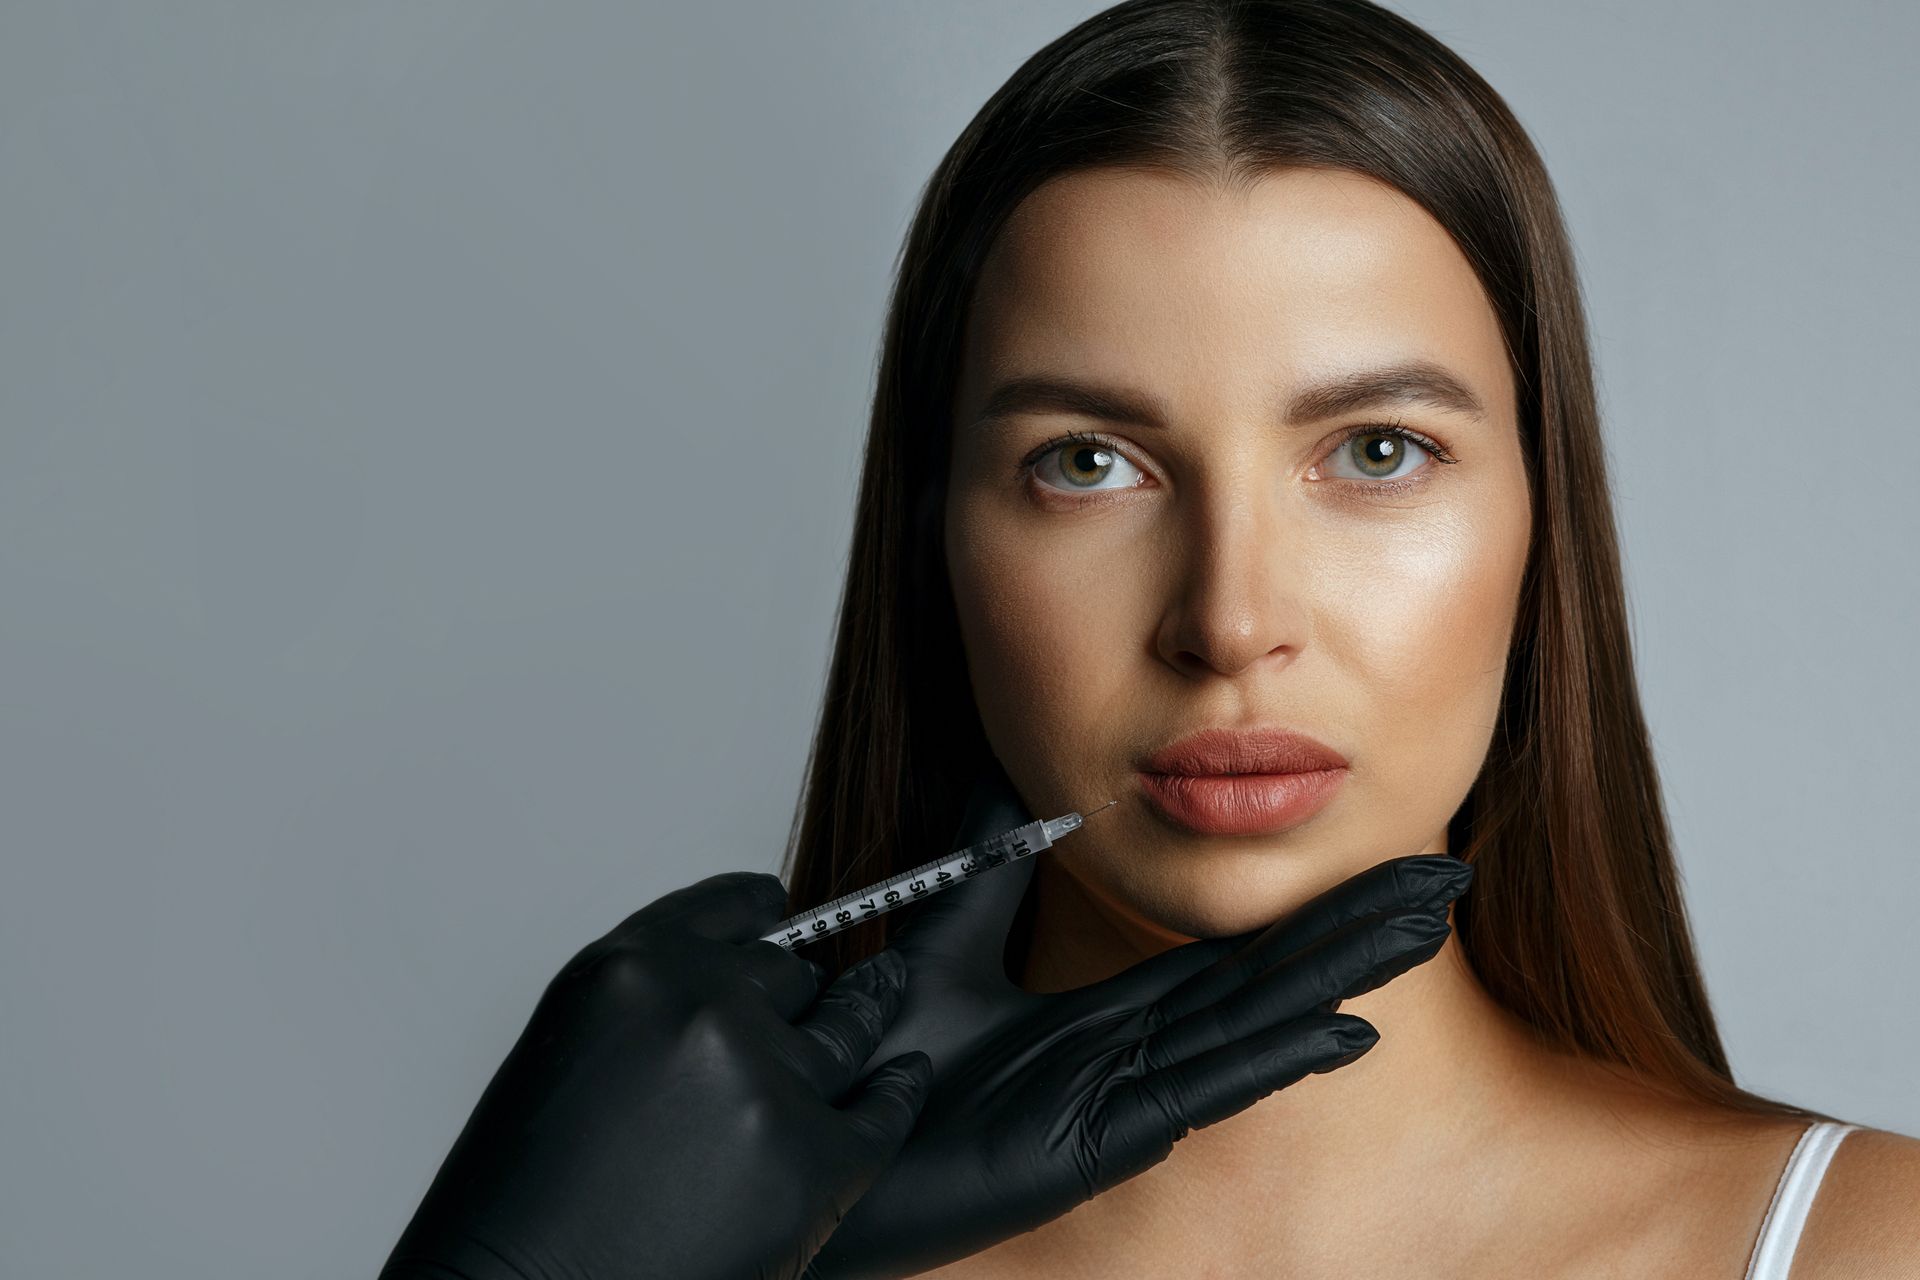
{"x":1042,"y":1101}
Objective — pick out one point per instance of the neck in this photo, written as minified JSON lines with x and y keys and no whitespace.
{"x":1401,"y":1125}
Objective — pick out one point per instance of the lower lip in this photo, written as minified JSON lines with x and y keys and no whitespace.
{"x":1241,"y":804}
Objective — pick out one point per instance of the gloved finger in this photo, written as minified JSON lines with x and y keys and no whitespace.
{"x":733,"y":906}
{"x":845,"y":1025}
{"x":881,"y":1118}
{"x":791,"y":982}
{"x":970,"y":921}
{"x":1356,"y":958}
{"x":1143,"y":1118}
{"x":1195,"y":976}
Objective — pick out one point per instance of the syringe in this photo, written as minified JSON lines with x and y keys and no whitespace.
{"x":926,"y":879}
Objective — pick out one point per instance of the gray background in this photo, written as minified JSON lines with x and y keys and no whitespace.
{"x":428,"y":436}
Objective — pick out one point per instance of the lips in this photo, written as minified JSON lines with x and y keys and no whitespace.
{"x":1216,"y":751}
{"x":1242,"y":782}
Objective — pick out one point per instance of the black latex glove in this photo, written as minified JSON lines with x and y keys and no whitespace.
{"x":674,"y":1108}
{"x":1042,"y":1101}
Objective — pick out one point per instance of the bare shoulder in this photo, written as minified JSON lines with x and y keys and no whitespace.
{"x":1865,"y":1219}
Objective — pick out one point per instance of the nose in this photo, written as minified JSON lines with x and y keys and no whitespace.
{"x":1239,"y":596}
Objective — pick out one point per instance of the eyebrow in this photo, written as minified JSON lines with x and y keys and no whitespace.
{"x":1408,"y":382}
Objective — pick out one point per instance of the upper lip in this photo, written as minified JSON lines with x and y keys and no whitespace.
{"x":1263,"y":750}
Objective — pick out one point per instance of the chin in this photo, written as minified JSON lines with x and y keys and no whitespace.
{"x":1178,"y":902}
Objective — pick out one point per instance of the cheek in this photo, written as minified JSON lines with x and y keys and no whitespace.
{"x":1045,"y":640}
{"x":1424,"y":646}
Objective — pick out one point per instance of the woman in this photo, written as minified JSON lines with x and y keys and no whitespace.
{"x":1236,"y":439}
{"x":1236,"y":378}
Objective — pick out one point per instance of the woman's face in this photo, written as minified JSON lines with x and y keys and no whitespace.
{"x":1228,"y":557}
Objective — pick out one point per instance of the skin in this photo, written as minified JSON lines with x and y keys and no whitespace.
{"x":1233,"y":567}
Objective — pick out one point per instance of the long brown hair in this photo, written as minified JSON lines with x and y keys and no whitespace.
{"x":1575,"y":920}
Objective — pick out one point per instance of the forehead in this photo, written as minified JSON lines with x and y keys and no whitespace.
{"x":1147,"y":276}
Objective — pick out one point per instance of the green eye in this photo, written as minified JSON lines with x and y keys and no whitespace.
{"x":1377,"y":452}
{"x":1082,"y":461}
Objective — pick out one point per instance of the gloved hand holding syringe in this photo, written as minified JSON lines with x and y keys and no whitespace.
{"x":688,"y":1101}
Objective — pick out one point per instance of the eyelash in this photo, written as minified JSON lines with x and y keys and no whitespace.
{"x":1376,"y":487}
